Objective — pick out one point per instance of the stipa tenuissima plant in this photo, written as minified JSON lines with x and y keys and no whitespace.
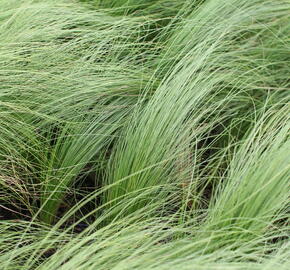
{"x":144,"y":134}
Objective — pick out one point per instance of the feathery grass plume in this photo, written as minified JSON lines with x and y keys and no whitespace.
{"x":144,"y":134}
{"x":253,"y":197}
{"x":202,"y":90}
{"x":143,"y":242}
{"x":70,"y":76}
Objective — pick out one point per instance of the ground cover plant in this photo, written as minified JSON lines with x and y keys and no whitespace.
{"x":144,"y":134}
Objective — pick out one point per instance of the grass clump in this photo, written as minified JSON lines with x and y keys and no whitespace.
{"x":144,"y":134}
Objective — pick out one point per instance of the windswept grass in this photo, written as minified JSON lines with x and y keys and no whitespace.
{"x":144,"y":134}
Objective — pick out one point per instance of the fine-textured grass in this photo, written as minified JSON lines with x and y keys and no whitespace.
{"x":144,"y":134}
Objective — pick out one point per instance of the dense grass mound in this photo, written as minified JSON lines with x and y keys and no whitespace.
{"x":144,"y":134}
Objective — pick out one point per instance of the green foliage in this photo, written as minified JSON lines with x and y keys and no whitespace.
{"x":144,"y":134}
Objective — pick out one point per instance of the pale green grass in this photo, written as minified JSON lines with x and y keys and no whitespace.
{"x":144,"y":134}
